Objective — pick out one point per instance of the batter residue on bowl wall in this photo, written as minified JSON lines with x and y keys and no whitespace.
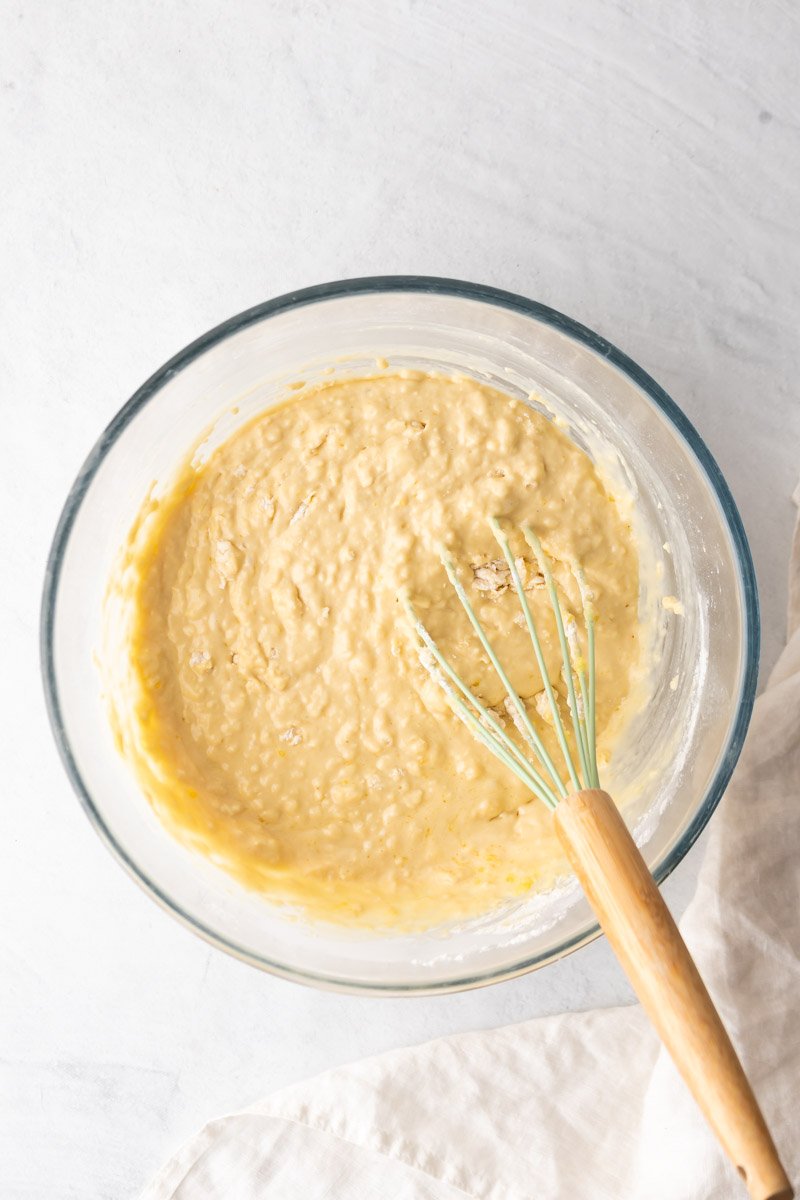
{"x":277,"y":713}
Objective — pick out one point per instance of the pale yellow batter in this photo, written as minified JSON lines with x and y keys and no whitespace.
{"x":280,"y":717}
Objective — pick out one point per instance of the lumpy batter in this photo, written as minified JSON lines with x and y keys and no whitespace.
{"x":280,"y":718}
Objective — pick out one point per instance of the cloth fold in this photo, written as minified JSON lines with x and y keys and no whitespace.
{"x":474,"y":1115}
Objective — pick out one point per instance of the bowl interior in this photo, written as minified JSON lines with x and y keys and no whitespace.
{"x":682,"y":745}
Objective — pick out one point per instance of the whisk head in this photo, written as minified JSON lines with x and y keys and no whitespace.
{"x":532,"y":763}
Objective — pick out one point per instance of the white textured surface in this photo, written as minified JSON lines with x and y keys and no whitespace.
{"x":637,"y":166}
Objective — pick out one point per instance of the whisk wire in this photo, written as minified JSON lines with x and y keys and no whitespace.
{"x":507,"y":752}
{"x":533,"y":632}
{"x":479,"y":718}
{"x":590,"y":700}
{"x":524,"y":725}
{"x":592,"y":717}
{"x":578,"y":723}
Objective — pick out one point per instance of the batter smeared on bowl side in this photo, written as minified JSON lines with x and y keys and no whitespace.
{"x":278,"y":715}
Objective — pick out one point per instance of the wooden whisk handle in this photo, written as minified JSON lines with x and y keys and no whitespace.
{"x":646,"y":940}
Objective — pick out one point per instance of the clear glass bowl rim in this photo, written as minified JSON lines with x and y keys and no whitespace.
{"x":386,"y":284}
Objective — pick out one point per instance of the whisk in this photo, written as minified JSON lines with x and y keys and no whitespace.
{"x":606,"y":860}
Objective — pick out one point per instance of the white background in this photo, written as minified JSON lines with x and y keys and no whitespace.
{"x":636,"y":165}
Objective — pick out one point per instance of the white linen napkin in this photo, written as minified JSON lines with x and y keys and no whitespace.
{"x":582,"y":1105}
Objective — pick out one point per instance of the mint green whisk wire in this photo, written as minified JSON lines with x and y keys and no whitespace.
{"x":525,"y":725}
{"x":484,"y":726}
{"x":578,"y":721}
{"x":503,"y":748}
{"x":533,"y":633}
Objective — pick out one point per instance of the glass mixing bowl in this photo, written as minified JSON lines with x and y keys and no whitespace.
{"x":684,"y":742}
